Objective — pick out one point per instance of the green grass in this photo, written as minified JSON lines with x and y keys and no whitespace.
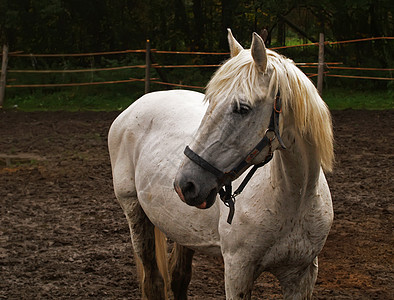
{"x":68,"y":102}
{"x":339,"y":99}
{"x":119,"y":99}
{"x":72,"y":100}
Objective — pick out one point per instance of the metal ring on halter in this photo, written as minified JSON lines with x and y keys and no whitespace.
{"x":280,"y":110}
{"x":274,"y":134}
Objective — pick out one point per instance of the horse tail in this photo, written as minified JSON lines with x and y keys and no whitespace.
{"x":140,"y":271}
{"x":162,"y":264}
{"x":162,"y":259}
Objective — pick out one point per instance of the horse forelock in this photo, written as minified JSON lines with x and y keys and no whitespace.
{"x":238,"y":78}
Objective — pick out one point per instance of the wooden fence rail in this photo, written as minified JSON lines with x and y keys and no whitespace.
{"x":321,"y":66}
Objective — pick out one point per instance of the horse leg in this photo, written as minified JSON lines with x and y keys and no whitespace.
{"x":143,"y":240}
{"x":180,"y":270}
{"x":239,"y":277}
{"x":299,"y":284}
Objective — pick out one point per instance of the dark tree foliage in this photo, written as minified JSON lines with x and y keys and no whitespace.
{"x":64,"y":26}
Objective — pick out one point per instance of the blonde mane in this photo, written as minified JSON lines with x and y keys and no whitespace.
{"x":239,"y":76}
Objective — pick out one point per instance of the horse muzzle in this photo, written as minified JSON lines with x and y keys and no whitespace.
{"x":192,"y":193}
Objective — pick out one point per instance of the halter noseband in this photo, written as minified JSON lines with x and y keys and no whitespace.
{"x":225,"y":178}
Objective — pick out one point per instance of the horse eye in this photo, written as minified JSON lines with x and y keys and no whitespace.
{"x":241,"y":109}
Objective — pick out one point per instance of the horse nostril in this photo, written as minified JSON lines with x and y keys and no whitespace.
{"x":189,"y":189}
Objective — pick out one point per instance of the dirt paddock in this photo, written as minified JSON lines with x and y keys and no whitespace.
{"x":64,"y":236}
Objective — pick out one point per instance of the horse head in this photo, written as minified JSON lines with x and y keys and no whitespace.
{"x":240,"y":127}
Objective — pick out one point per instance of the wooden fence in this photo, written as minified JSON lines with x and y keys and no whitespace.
{"x":321,"y":66}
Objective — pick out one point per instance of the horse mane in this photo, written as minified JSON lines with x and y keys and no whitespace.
{"x":239,"y":77}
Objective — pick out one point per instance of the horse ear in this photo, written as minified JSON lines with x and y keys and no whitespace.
{"x":235,"y":47}
{"x":259,"y":53}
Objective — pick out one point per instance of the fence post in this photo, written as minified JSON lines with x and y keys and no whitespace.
{"x":320,"y":69}
{"x":3,"y":75}
{"x":147,"y":67}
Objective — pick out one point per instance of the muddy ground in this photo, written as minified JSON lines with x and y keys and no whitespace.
{"x":64,"y":236}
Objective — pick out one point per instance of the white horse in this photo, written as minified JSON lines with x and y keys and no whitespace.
{"x":282,"y":218}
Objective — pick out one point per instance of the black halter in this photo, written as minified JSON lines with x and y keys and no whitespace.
{"x":225,"y":178}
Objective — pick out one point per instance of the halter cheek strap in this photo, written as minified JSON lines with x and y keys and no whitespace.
{"x":225,"y":178}
{"x":202,"y":162}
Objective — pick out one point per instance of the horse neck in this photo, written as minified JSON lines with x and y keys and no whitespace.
{"x":297,"y":169}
